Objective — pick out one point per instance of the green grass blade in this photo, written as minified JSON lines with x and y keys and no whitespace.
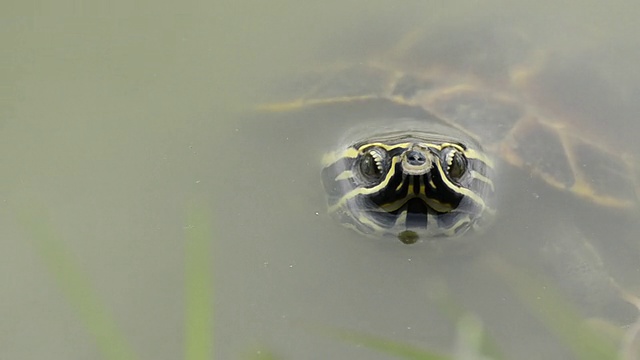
{"x":198,"y":287}
{"x":557,"y":314}
{"x":471,"y":340}
{"x":468,"y":324}
{"x":77,"y":288}
{"x":261,"y":354}
{"x":391,"y":347}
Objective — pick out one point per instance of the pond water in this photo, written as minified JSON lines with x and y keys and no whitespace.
{"x":116,"y":120}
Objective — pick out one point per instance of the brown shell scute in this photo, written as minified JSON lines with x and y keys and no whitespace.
{"x":564,"y":160}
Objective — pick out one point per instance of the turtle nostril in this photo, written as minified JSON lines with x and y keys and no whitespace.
{"x":416,"y":158}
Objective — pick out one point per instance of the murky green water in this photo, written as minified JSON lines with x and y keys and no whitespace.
{"x":115,"y":119}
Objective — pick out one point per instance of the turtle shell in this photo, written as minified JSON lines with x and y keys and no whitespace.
{"x":500,"y":106}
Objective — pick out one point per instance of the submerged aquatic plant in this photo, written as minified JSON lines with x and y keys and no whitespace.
{"x":77,"y":288}
{"x":473,"y":343}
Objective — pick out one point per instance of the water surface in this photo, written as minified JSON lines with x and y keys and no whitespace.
{"x":115,"y":119}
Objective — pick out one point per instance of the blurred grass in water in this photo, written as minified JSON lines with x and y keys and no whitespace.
{"x":556,"y":313}
{"x":76,"y":286}
{"x":472,"y":341}
{"x":198,"y":286}
{"x":579,"y":336}
{"x":470,"y":344}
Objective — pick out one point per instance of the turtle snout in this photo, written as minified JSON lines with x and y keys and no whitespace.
{"x":416,"y":161}
{"x":416,"y":158}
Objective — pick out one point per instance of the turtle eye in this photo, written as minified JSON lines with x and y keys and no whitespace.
{"x":373,"y":164}
{"x":455,"y":163}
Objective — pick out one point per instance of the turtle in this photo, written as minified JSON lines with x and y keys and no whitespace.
{"x":423,"y":163}
{"x":430,"y":126}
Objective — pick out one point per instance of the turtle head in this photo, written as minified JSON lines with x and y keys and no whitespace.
{"x":409,"y":185}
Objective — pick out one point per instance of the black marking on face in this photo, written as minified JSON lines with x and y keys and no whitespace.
{"x":406,"y":186}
